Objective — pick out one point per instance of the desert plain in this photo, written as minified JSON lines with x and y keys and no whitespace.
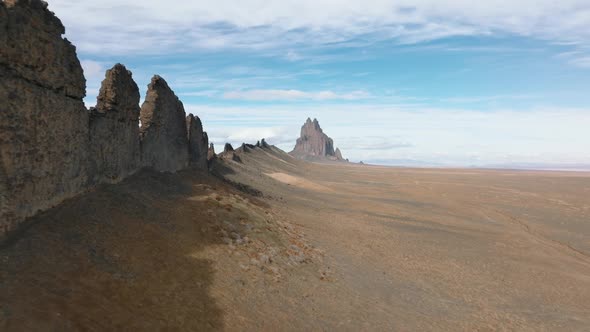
{"x":275,"y":243}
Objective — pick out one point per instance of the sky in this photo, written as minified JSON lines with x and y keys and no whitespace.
{"x":423,"y":82}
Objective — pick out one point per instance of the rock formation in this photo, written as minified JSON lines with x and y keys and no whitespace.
{"x":43,"y":120}
{"x":114,"y":127}
{"x":197,"y":142}
{"x":247,"y":147}
{"x":51,"y":147}
{"x":229,"y":153}
{"x":211,"y":153}
{"x":164,"y":144}
{"x":314,"y":144}
{"x":338,"y":154}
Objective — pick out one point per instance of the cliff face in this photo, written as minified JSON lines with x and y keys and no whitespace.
{"x":164,"y":144}
{"x":198,"y":142}
{"x":51,"y":147}
{"x":114,"y":127}
{"x":43,"y":120}
{"x":314,"y":144}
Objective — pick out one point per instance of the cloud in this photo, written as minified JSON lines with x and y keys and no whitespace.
{"x":445,"y":136}
{"x":156,"y":27}
{"x":293,"y":56}
{"x":92,"y":69}
{"x":204,"y":93}
{"x":486,"y":99}
{"x":583,"y":61}
{"x":291,"y":95}
{"x":579,"y":57}
{"x":236,"y":136}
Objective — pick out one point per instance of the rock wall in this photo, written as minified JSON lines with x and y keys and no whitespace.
{"x":198,"y":142}
{"x":164,"y":144}
{"x":114,"y":127}
{"x":43,"y":120}
{"x":53,"y":148}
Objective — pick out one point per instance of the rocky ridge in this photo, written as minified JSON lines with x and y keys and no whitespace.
{"x":197,"y":142}
{"x":164,"y":137}
{"x":114,"y":133}
{"x":51,"y":147}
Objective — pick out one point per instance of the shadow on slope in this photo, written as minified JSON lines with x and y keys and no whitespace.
{"x":122,"y":256}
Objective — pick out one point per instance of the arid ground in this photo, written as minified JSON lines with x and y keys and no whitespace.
{"x":273,"y":243}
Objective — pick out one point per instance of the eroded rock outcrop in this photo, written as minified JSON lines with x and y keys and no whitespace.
{"x":51,"y":147}
{"x":197,"y":142}
{"x":164,"y":144}
{"x":229,"y":153}
{"x":338,"y":154}
{"x":114,"y":127}
{"x":314,"y":144}
{"x":211,"y":153}
{"x":43,"y":120}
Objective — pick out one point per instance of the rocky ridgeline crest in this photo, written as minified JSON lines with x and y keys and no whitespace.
{"x":53,"y":148}
{"x":314,"y":144}
{"x":164,"y":136}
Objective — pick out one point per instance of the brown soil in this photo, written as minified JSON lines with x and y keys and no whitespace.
{"x":281,"y":244}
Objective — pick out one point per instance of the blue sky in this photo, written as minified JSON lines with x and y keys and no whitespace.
{"x":451,"y":83}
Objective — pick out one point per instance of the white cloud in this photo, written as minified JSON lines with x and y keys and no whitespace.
{"x":93,"y":69}
{"x":293,"y":56}
{"x":459,"y":137}
{"x":583,"y":61}
{"x":94,"y":72}
{"x":203,"y":93}
{"x":153,"y":26}
{"x":236,"y":136}
{"x":290,"y":95}
{"x":487,"y":99}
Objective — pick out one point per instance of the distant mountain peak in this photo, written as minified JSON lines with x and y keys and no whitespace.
{"x":313,"y":143}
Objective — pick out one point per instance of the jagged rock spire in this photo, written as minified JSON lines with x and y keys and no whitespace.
{"x":164,"y":144}
{"x":114,"y":127}
{"x":198,"y":142}
{"x":314,"y":143}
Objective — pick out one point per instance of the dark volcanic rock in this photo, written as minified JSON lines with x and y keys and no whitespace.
{"x":43,"y":120}
{"x":228,"y":148}
{"x":31,"y":47}
{"x":314,"y":144}
{"x":164,"y":144}
{"x":247,"y":147}
{"x":114,"y":127}
{"x":229,"y":153}
{"x":197,"y":142}
{"x":51,"y":147}
{"x":211,"y":152}
{"x":263,"y":144}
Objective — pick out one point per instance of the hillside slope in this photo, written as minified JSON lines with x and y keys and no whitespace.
{"x":269,"y":242}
